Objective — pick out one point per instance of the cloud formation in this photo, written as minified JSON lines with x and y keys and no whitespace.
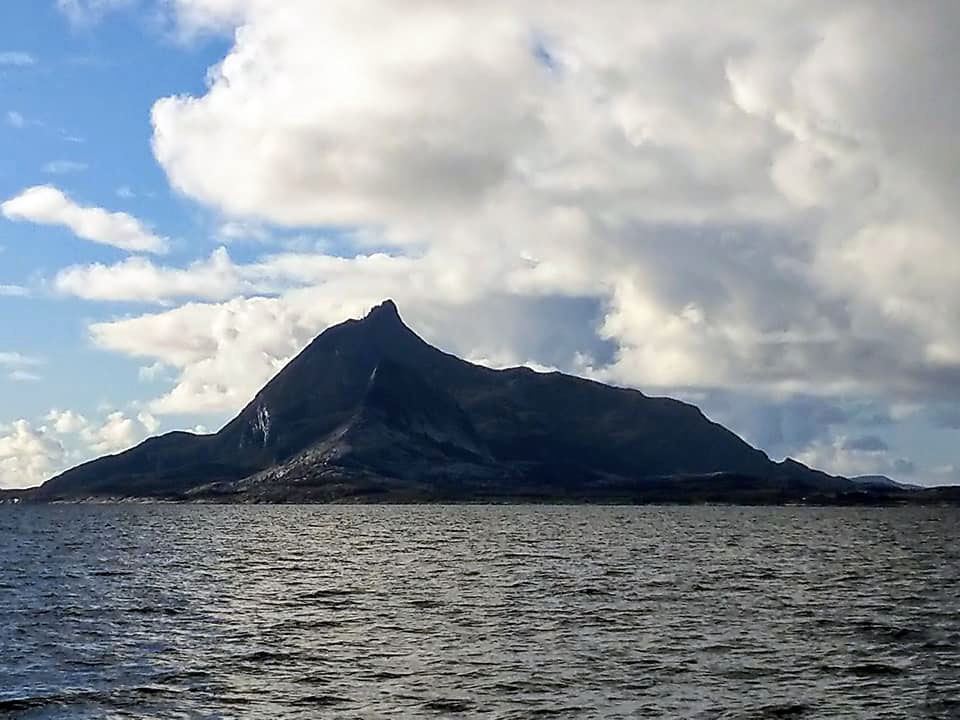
{"x":116,"y":432}
{"x":762,"y":200}
{"x":748,"y":211}
{"x":31,"y":452}
{"x":851,"y":461}
{"x":20,"y":367}
{"x":45,"y":204}
{"x":86,"y":12}
{"x":63,"y":167}
{"x":138,"y":279}
{"x":27,"y":454}
{"x":223,"y":353}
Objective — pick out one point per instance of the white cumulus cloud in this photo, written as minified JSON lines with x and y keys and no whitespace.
{"x":45,"y":204}
{"x":138,"y":279}
{"x":32,"y":452}
{"x":28,"y":455}
{"x":116,"y":433}
{"x":66,"y":422}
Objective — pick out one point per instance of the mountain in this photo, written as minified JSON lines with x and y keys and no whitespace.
{"x":878,"y":482}
{"x":369,"y":411}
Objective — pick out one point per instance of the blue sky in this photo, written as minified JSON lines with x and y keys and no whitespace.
{"x":85,"y":99}
{"x":740,"y":218}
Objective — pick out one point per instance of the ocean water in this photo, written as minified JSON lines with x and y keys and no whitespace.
{"x":168,"y":611}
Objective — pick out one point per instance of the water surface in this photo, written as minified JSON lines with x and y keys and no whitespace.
{"x":467,"y":611}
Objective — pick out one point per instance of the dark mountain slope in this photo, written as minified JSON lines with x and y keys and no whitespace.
{"x":159,"y":466}
{"x":369,"y":407}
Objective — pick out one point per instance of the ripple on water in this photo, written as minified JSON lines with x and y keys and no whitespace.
{"x":507,"y":612}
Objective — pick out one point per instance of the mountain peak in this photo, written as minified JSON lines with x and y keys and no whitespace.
{"x":386,"y":309}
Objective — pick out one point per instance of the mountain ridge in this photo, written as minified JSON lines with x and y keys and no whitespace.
{"x":369,"y":411}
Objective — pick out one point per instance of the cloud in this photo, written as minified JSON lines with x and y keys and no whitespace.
{"x":947,"y":474}
{"x":945,"y":415}
{"x":28,"y":455}
{"x":866,"y":444}
{"x":21,"y":368}
{"x":15,"y":119}
{"x":31,"y":452}
{"x":151,"y":373}
{"x":118,"y":432}
{"x":13,"y":291}
{"x":149,"y":422}
{"x":842,"y":457}
{"x":781,"y":425}
{"x":234,"y":230}
{"x":138,"y":279}
{"x":219,"y":278}
{"x":244,"y":344}
{"x":16,"y":59}
{"x":19,"y":360}
{"x":125,"y":192}
{"x":115,"y":432}
{"x":66,"y":422}
{"x":755,"y":214}
{"x":45,"y":204}
{"x":88,"y":12}
{"x":742,"y":203}
{"x":64,"y":167}
{"x":904,"y":468}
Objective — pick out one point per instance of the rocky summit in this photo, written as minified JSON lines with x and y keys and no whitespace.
{"x":370,"y":412}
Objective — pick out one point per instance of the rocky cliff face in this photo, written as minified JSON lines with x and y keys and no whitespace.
{"x":369,"y":410}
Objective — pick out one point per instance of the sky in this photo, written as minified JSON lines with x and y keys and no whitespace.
{"x":751,"y":206}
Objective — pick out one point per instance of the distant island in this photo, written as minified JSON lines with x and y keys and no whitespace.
{"x":369,"y":412}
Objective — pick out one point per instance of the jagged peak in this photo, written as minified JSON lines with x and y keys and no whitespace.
{"x":386,"y":309}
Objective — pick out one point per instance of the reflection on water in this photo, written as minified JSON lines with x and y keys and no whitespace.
{"x":500,"y":612}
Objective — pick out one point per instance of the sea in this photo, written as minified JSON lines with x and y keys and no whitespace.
{"x":204,"y":611}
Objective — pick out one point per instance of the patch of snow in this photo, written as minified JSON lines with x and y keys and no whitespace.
{"x":262,"y":423}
